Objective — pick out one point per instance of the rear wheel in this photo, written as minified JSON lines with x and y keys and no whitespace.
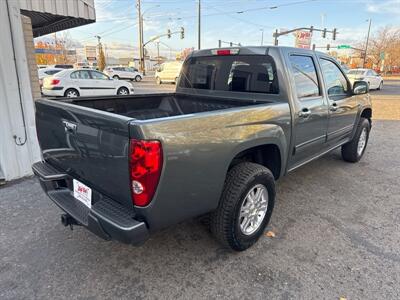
{"x":71,"y":93}
{"x":116,"y":77}
{"x":245,"y":206}
{"x":138,"y":78}
{"x":354,"y":150}
{"x":158,"y":80}
{"x":123,"y":91}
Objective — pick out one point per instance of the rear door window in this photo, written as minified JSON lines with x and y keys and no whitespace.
{"x":236,"y":73}
{"x":305,"y":76}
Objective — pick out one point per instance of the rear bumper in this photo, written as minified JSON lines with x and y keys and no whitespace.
{"x":53,"y":92}
{"x":106,"y":218}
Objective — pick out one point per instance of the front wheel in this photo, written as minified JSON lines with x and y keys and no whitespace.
{"x":245,"y":206}
{"x":380,"y":86}
{"x":116,"y":77}
{"x":158,"y":80}
{"x":123,"y":91}
{"x":138,"y":78}
{"x":354,"y":150}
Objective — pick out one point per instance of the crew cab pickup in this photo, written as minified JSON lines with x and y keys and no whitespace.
{"x":240,"y":118}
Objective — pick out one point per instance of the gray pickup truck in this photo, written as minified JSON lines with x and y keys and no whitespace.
{"x":240,"y":118}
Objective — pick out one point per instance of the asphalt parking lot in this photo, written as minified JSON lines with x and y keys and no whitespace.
{"x":336,"y":225}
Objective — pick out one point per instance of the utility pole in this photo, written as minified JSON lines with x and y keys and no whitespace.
{"x":276,"y":37}
{"x":366,"y":44}
{"x":199,"y":25}
{"x":158,"y":51}
{"x":262,"y":36}
{"x":140,"y":23}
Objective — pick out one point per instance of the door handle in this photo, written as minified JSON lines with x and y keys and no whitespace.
{"x":333,"y":106}
{"x":304,"y":113}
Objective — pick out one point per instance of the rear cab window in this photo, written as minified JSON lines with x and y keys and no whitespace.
{"x":235,"y":73}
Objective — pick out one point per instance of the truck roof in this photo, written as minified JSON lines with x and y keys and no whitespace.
{"x":252,"y":50}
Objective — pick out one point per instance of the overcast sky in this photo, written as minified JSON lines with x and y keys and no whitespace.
{"x":236,"y":20}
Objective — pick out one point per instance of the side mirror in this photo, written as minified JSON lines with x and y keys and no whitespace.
{"x":360,"y":87}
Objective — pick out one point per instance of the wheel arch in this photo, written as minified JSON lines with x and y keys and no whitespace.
{"x":268,"y":154}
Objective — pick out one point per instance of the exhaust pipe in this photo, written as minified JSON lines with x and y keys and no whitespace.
{"x":68,"y":220}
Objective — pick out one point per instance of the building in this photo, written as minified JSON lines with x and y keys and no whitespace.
{"x":20,"y":22}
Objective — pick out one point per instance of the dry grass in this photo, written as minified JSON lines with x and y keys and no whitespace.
{"x":386,"y":107}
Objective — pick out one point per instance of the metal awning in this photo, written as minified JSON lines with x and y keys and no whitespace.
{"x":45,"y":23}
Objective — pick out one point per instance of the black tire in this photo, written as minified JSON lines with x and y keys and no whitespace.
{"x":138,"y":78}
{"x":176,"y":80}
{"x":350,"y":151}
{"x":225,"y":220}
{"x":116,"y":77}
{"x":158,"y":80}
{"x":69,"y":92}
{"x":123,"y":91}
{"x":380,"y":86}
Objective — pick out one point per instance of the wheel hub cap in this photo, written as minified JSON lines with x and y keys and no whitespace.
{"x":362,"y":141}
{"x":253,"y":209}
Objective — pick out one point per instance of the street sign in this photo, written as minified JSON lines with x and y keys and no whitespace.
{"x":344,"y":47}
{"x":303,"y":39}
{"x":90,"y":53}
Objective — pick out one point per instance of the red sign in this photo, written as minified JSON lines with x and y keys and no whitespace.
{"x":303,"y":39}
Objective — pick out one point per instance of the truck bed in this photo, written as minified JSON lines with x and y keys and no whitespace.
{"x":153,"y":106}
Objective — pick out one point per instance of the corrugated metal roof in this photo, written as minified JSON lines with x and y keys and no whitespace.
{"x":54,"y":15}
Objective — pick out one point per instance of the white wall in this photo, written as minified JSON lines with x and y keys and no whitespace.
{"x":16,"y":103}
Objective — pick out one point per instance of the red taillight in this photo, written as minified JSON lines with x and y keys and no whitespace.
{"x":145,"y":163}
{"x":55,"y":81}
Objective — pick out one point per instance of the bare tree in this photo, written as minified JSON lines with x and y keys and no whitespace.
{"x":384,"y":44}
{"x":101,"y":60}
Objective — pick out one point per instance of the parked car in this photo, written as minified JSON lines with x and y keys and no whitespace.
{"x":73,"y":83}
{"x":81,"y":65}
{"x":63,"y":66}
{"x":45,"y":72}
{"x":374,"y":80}
{"x":168,"y":72}
{"x":124,"y":73}
{"x":125,"y":167}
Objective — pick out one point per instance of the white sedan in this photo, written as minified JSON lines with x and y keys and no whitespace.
{"x":83,"y":82}
{"x":374,"y":80}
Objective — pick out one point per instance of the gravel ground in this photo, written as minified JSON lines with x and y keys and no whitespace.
{"x":337,"y":235}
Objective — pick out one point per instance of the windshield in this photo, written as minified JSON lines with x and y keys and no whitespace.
{"x":244,"y":73}
{"x":356,"y":72}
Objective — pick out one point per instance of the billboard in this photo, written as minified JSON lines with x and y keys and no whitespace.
{"x":303,"y":39}
{"x":91,"y":53}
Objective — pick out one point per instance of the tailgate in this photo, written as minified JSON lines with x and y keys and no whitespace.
{"x":89,"y":145}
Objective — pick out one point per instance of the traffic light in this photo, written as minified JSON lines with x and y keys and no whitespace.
{"x":182,"y":33}
{"x":334,"y":34}
{"x":324,"y":33}
{"x":328,"y":47}
{"x":169,"y":33}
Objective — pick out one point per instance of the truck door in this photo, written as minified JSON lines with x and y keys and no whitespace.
{"x":310,"y":109}
{"x":342,"y":104}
